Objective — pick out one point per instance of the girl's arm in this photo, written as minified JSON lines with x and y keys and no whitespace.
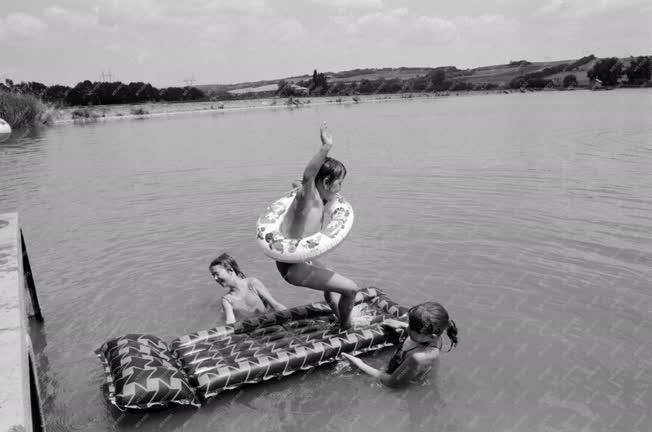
{"x":318,"y":159}
{"x":403,"y":374}
{"x":228,"y":311}
{"x":266,"y":296}
{"x":364,"y":367}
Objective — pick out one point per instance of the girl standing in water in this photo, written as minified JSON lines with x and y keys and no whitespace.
{"x":419,"y":346}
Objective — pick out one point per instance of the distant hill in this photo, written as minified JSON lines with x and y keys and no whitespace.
{"x":354,"y":75}
{"x":500,"y":74}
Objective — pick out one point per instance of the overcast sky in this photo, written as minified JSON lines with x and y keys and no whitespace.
{"x":228,"y":41}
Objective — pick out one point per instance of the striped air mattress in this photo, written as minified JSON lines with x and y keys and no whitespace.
{"x":145,"y":373}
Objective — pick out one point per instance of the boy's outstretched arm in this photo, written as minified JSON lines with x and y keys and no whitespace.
{"x":318,"y":159}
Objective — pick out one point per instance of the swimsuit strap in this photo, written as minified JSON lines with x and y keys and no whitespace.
{"x":399,"y":355}
{"x":403,"y":353}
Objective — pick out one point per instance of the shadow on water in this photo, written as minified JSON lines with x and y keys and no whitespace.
{"x":48,"y":385}
{"x":39,"y":342}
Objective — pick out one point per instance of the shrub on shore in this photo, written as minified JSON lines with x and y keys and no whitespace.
{"x":139,"y":111}
{"x":570,"y":80}
{"x":84,"y":114}
{"x":21,"y":110}
{"x":608,"y":71}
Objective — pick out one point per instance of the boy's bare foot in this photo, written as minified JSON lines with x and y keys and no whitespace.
{"x":360,"y":321}
{"x":355,"y":322}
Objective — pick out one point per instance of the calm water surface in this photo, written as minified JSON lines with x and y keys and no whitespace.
{"x":529,"y":216}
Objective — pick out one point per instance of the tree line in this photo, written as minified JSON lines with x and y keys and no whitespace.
{"x":609,"y":71}
{"x":438,"y":79}
{"x":103,"y":93}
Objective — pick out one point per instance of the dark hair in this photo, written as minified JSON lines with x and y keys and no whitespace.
{"x":225,"y":260}
{"x":331,"y":170}
{"x":432,"y":318}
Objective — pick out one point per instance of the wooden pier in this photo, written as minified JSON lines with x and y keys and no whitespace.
{"x":20,"y":402}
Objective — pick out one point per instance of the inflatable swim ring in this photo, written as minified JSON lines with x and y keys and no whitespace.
{"x":5,"y":130}
{"x":208,"y":362}
{"x":339,"y":220}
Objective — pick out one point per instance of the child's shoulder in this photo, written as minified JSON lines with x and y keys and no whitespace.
{"x":425,"y":356}
{"x":251,"y":280}
{"x":254,"y":284}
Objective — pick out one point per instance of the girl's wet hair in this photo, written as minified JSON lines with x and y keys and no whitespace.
{"x":225,"y":260}
{"x":331,"y":170}
{"x":431,"y":318}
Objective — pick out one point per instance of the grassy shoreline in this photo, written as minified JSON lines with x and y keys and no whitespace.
{"x":101,"y":113}
{"x":161,"y":109}
{"x":24,"y":110}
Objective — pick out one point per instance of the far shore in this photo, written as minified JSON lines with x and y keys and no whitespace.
{"x":162,"y":109}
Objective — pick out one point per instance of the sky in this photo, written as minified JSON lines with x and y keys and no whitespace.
{"x":165,"y":42}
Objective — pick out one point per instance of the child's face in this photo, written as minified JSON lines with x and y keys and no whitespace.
{"x":328,"y":191}
{"x":221,"y":275}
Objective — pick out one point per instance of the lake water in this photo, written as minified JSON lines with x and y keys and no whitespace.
{"x":529,"y":216}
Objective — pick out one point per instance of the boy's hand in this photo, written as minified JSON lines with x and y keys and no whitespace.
{"x":325,"y":134}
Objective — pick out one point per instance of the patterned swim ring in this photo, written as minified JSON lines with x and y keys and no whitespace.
{"x":339,"y":215}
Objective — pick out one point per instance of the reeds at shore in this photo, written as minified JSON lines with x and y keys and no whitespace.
{"x":20,"y":110}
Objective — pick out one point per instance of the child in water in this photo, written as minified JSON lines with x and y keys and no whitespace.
{"x":321,"y":182}
{"x":419,"y":347}
{"x":246,"y":296}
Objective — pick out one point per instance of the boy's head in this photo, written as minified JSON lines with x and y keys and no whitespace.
{"x":329,"y":178}
{"x":431,"y":319}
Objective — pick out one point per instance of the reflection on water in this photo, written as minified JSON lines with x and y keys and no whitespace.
{"x":527,"y":216}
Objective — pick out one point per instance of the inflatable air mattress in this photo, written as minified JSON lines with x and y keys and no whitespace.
{"x":249,"y":351}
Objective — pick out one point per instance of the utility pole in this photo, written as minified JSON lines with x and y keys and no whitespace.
{"x":106,"y":76}
{"x":190,"y":81}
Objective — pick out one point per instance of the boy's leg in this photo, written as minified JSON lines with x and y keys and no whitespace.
{"x":322,"y":279}
{"x":332,"y":299}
